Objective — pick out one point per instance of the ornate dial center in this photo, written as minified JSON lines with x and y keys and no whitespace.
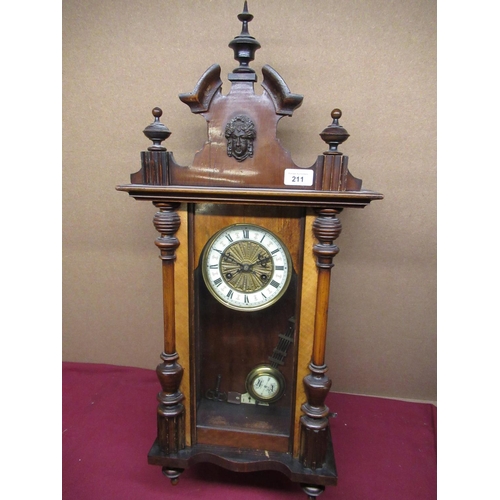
{"x":246,"y":267}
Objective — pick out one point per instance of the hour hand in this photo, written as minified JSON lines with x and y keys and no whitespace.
{"x":228,"y":257}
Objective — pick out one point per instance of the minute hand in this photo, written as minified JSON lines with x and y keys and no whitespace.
{"x":262,"y":261}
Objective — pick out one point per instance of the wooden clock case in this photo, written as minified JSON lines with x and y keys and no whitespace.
{"x":242,"y":174}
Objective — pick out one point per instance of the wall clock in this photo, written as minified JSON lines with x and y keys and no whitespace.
{"x":246,"y":241}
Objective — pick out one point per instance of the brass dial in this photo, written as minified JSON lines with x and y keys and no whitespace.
{"x":246,"y":267}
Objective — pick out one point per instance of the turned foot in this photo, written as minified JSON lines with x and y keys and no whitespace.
{"x":312,"y":490}
{"x":172,"y":474}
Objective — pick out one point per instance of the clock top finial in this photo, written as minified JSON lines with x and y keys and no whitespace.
{"x":244,"y":47}
{"x":245,"y":17}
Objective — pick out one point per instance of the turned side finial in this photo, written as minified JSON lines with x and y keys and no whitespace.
{"x":334,"y":134}
{"x":244,"y":45}
{"x":157,"y":131}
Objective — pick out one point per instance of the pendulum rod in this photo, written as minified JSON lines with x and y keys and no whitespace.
{"x":285,"y":340}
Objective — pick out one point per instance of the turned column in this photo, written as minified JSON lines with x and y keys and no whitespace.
{"x":170,"y":413}
{"x":314,"y":422}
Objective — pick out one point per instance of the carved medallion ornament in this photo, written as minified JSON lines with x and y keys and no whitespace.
{"x":240,"y":134}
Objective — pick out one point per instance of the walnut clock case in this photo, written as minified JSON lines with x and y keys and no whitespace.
{"x":246,"y":241}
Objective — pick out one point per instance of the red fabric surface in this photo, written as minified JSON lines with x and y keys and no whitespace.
{"x":384,"y":449}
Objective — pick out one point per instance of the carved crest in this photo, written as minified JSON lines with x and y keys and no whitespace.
{"x":240,"y":134}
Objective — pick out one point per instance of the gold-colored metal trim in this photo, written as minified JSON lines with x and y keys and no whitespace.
{"x":262,"y":370}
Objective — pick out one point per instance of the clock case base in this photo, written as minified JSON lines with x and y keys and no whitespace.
{"x":240,"y":460}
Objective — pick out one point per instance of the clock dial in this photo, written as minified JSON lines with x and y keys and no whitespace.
{"x":265,"y":384}
{"x":246,"y":267}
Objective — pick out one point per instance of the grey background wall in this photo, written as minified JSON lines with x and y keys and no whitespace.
{"x":374,"y":59}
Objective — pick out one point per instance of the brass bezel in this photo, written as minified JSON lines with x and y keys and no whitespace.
{"x":265,"y":370}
